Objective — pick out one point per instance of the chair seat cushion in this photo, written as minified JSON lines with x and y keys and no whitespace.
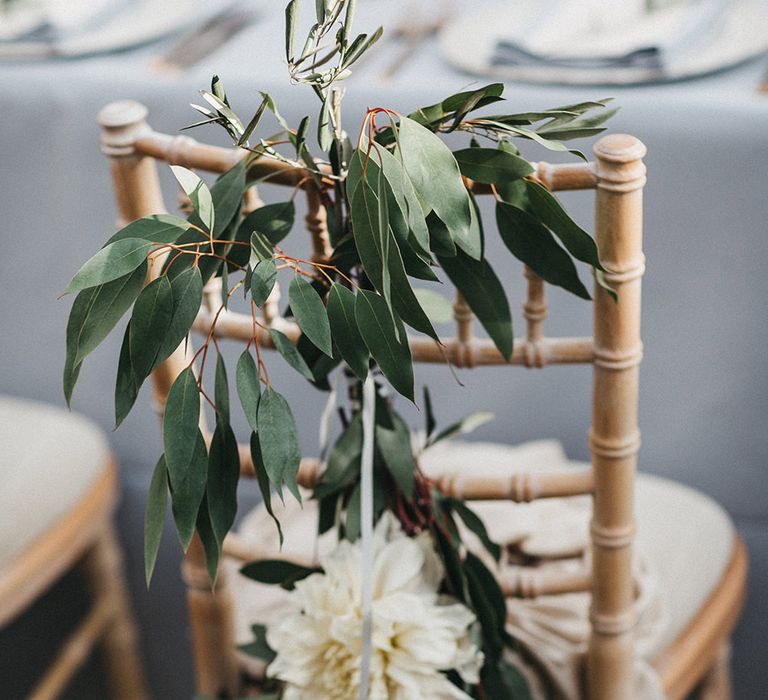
{"x":684,"y":539}
{"x":48,"y":460}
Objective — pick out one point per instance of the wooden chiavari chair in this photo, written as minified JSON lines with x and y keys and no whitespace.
{"x":60,"y":491}
{"x":696,"y":657}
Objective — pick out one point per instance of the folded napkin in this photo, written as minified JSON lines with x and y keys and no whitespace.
{"x":588,"y":34}
{"x":553,"y":631}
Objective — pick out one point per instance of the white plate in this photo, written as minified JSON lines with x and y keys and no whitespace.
{"x":136,"y":23}
{"x":469,"y":41}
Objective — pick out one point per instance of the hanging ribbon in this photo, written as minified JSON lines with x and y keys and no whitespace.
{"x":366,"y":534}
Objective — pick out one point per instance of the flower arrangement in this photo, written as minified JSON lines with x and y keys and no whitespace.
{"x":400,"y":207}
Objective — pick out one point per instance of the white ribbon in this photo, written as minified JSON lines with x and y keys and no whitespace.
{"x":366,"y":534}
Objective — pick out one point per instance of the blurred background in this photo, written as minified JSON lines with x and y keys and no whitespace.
{"x":687,"y":77}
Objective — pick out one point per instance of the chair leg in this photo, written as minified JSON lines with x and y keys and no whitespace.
{"x":104,"y":570}
{"x":211,"y":616}
{"x":716,"y":684}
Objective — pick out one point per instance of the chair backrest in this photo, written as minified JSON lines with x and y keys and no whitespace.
{"x":614,"y":350}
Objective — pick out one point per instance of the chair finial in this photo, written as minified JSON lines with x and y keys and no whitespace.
{"x":122,"y":123}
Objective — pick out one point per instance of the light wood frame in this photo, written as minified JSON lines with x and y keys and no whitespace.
{"x":614,"y":350}
{"x":83,"y":536}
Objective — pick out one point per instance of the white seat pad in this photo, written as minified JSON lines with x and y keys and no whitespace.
{"x":684,"y":539}
{"x":48,"y":459}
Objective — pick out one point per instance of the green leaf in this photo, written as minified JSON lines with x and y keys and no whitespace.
{"x":476,"y":525}
{"x":151,"y":316}
{"x":279,"y":441}
{"x":221,"y":391}
{"x":341,"y":315}
{"x":393,"y":284}
{"x":325,"y":125}
{"x":227,"y":196}
{"x":551,"y":213}
{"x":198,"y":193}
{"x":291,"y":16}
{"x":188,"y":491}
{"x":126,"y":386}
{"x":532,"y":243}
{"x":395,"y":448}
{"x":485,"y":296}
{"x":379,"y":333}
{"x":259,"y":647}
{"x":488,"y":604}
{"x":405,"y":197}
{"x":263,"y":480}
{"x":160,"y":228}
{"x":96,"y":311}
{"x":310,"y":314}
{"x":491,"y":165}
{"x":261,"y":249}
{"x":274,"y":221}
{"x":429,"y":416}
{"x":290,"y":354}
{"x":180,"y":425}
{"x":424,"y":155}
{"x":466,"y":425}
{"x":187,"y":289}
{"x":277,"y":571}
{"x":343,"y":461}
{"x":111,"y":262}
{"x":435,"y":305}
{"x":263,"y":281}
{"x":154,"y":518}
{"x":211,"y":546}
{"x":248,"y":387}
{"x":223,"y":477}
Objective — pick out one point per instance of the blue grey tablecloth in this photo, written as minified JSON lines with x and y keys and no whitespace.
{"x":704,"y":405}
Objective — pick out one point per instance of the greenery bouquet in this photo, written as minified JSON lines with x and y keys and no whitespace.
{"x":410,"y":612}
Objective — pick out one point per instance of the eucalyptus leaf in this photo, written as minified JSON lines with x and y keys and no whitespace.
{"x":387,"y":346}
{"x":126,"y":386}
{"x":180,"y":426}
{"x":261,"y":249}
{"x":395,"y":448}
{"x":189,"y":488}
{"x":259,"y":647}
{"x":263,"y":480}
{"x":96,"y":311}
{"x":343,"y":461}
{"x":279,"y":441}
{"x":346,"y":336}
{"x":159,"y":228}
{"x":211,"y":546}
{"x":277,"y":571}
{"x":151,"y":317}
{"x":424,"y":154}
{"x":263,"y":280}
{"x":435,"y":305}
{"x":477,"y":526}
{"x":484,"y":294}
{"x":221,"y":391}
{"x":466,"y":425}
{"x":154,"y":518}
{"x":248,"y":387}
{"x":290,"y":354}
{"x":529,"y":241}
{"x":491,"y":165}
{"x":198,"y":193}
{"x":113,"y":261}
{"x":310,"y":314}
{"x":222,"y":480}
{"x":551,"y":213}
{"x":187,"y":288}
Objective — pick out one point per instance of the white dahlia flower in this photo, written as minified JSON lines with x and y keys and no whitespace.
{"x":416,"y":633}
